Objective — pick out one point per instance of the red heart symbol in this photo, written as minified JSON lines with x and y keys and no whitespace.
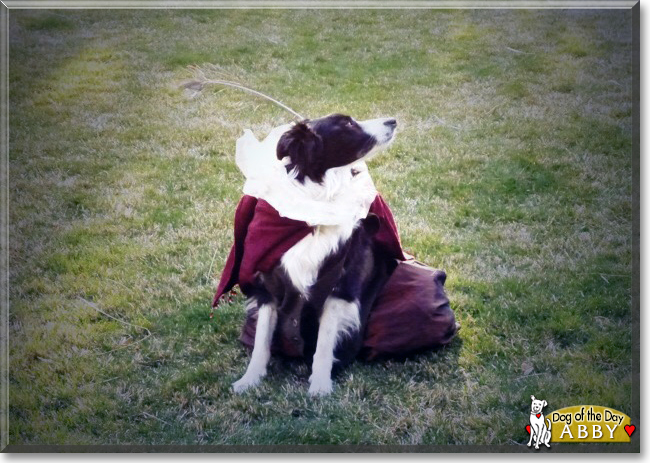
{"x":528,"y":428}
{"x":538,"y":415}
{"x":629,"y":429}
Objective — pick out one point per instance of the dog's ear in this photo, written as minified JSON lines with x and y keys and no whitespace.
{"x":371,"y":224}
{"x":544,"y":403}
{"x":532,"y":397}
{"x":304,"y":147}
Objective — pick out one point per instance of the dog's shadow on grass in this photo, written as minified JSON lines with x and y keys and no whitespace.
{"x":450,"y":352}
{"x":423,"y":364}
{"x":430,"y":364}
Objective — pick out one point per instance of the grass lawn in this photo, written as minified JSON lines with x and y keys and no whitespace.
{"x":512,"y":171}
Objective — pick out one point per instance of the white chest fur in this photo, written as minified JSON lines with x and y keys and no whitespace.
{"x":304,"y":259}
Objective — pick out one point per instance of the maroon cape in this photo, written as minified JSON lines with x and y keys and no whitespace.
{"x":262,"y":237}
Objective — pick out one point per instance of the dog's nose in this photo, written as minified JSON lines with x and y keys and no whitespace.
{"x":391,"y":123}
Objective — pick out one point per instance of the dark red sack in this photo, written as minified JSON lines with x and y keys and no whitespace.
{"x":410,"y":314}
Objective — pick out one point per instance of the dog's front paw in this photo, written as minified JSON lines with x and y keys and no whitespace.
{"x":529,"y":444}
{"x":320,"y":386}
{"x":246,"y":382}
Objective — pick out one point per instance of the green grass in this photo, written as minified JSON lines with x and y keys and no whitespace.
{"x":512,"y":171}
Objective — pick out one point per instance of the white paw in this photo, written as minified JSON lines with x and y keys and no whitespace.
{"x":529,"y":444}
{"x":320,"y":386}
{"x":246,"y":382}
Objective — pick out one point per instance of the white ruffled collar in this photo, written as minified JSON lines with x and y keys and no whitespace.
{"x":342,"y":198}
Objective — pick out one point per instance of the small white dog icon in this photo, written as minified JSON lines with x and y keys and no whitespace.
{"x":538,"y":429}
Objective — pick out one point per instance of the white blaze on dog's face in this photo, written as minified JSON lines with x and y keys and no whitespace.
{"x":314,"y":146}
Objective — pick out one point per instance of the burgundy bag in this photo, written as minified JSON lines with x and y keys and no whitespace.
{"x":410,"y":314}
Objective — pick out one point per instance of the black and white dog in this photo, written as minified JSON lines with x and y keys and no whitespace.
{"x":333,"y":273}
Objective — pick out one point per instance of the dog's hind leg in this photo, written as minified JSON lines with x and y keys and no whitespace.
{"x":267,"y":318}
{"x":338,"y":317}
{"x":532,"y":431}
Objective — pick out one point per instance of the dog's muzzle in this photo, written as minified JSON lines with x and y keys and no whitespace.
{"x":382,"y":129}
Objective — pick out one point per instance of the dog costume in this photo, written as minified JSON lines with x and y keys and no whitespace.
{"x":410,"y":312}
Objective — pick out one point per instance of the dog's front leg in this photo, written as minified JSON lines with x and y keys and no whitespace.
{"x":538,"y":436}
{"x":547,"y":437}
{"x":532,"y":433}
{"x":267,"y":318}
{"x":338,"y":316}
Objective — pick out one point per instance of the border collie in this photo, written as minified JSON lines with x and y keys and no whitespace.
{"x":335,"y":272}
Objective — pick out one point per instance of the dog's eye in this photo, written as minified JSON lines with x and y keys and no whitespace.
{"x":349,"y":124}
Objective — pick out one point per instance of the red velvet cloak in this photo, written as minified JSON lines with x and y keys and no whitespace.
{"x":262,"y":237}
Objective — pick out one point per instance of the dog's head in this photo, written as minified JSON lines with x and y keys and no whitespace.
{"x":313,"y":146}
{"x":537,"y":405}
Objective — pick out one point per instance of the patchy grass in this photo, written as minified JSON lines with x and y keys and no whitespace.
{"x":512,"y":171}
